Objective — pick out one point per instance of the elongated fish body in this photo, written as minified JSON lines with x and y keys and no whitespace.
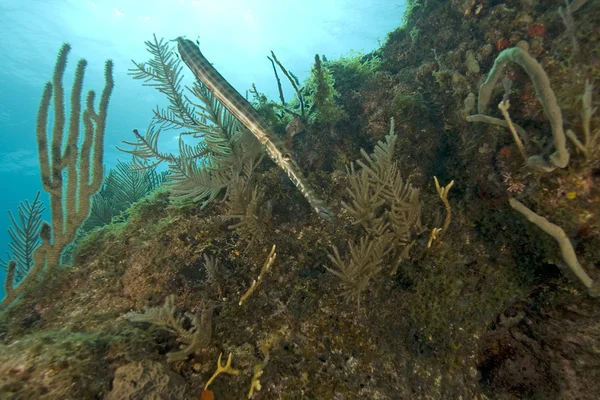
{"x":247,"y":115}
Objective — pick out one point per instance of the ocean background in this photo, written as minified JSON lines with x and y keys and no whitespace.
{"x":235,"y":35}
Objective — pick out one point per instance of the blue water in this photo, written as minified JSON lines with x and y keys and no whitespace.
{"x":235,"y":35}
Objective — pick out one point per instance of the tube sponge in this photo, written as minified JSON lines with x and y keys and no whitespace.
{"x":541,"y":83}
{"x":561,"y":237}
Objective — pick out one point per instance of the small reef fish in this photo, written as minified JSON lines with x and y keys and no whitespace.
{"x":247,"y":115}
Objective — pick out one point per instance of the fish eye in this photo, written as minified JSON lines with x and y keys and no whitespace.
{"x":286,"y":156}
{"x":323,"y":212}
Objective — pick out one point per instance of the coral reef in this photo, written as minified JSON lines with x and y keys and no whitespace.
{"x":484,"y":313}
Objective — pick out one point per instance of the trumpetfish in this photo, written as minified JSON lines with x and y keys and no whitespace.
{"x":240,"y":108}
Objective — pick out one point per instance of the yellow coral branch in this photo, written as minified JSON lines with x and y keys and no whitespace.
{"x":266,"y":267}
{"x":433,"y":235}
{"x":503,"y":107}
{"x":255,"y":383}
{"x":443,"y":192}
{"x":220,"y":368}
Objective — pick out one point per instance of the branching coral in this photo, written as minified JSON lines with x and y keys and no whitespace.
{"x":226,"y":153}
{"x":266,"y":267}
{"x":247,"y":204}
{"x":24,"y":235}
{"x":363,"y":263}
{"x":381,"y":200}
{"x":80,"y":155}
{"x":227,"y":368}
{"x":443,"y":192}
{"x":123,"y":186}
{"x":166,"y":317}
{"x":387,"y":208}
{"x":322,"y":95}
